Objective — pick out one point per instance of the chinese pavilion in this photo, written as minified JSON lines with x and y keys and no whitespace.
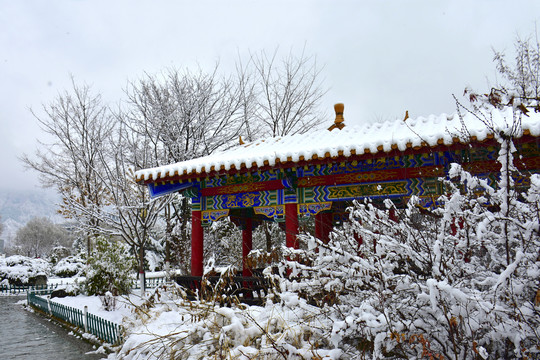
{"x":316,"y":174}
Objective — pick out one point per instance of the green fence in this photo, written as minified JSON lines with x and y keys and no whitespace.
{"x":90,"y":323}
{"x":104,"y":329}
{"x":20,"y":289}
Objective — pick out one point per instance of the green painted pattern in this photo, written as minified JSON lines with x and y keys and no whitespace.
{"x":243,"y":200}
{"x":237,"y":179}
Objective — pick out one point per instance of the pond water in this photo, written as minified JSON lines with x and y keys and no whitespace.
{"x":25,"y":335}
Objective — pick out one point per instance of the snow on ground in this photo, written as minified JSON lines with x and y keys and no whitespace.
{"x":124,"y":306}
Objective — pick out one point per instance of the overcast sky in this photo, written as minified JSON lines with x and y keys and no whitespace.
{"x":380,"y":57}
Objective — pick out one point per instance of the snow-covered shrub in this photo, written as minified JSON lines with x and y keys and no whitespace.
{"x":109,"y":268}
{"x":22,"y":270}
{"x":460,"y":281}
{"x":61,"y":291}
{"x":58,"y":253}
{"x":109,"y":301}
{"x":69,"y":266}
{"x":168,"y":326}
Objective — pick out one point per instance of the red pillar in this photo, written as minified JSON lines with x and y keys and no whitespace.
{"x":247,"y":246}
{"x":196,"y":243}
{"x":291,"y":225}
{"x":318,"y":226}
{"x":323,"y":226}
{"x":327,"y":226}
{"x":392,"y":215}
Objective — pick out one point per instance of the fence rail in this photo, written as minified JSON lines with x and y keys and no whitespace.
{"x":150,"y":283}
{"x":87,"y":322}
{"x":19,"y":289}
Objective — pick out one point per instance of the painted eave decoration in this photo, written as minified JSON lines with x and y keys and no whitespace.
{"x":288,"y":151}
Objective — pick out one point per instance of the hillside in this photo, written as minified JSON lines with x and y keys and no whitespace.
{"x":18,"y":206}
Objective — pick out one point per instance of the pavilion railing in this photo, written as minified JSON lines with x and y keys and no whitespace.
{"x":251,"y":290}
{"x":150,"y":283}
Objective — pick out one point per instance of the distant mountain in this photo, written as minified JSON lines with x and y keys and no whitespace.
{"x":18,"y":206}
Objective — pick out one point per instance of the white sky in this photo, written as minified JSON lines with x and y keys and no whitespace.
{"x":381,"y":57}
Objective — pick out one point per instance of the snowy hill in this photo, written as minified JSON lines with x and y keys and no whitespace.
{"x":18,"y":206}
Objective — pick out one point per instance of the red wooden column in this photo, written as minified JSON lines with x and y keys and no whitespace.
{"x":247,"y":245}
{"x":392,"y":215}
{"x":326,"y":226}
{"x":291,"y":225}
{"x":196,"y":243}
{"x":323,"y":226}
{"x":318,"y":226}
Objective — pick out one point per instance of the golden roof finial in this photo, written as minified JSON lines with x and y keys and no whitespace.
{"x":339,"y":121}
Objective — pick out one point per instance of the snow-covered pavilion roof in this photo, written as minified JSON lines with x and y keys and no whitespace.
{"x":351,"y":140}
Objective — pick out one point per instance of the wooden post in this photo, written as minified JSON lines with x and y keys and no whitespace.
{"x":291,"y":225}
{"x":85,"y":318}
{"x":196,"y":243}
{"x":247,"y":245}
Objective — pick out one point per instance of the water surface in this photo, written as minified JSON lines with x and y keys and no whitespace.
{"x":25,"y":335}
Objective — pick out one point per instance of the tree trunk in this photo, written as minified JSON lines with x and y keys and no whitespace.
{"x":268,"y":237}
{"x":168,"y":232}
{"x":142,"y":275}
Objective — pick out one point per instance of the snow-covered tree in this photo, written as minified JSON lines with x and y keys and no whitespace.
{"x":519,"y":82}
{"x":287,"y":92}
{"x":184,"y":115}
{"x":39,"y":236}
{"x":224,"y":244}
{"x":179,"y":116}
{"x":130,"y":214}
{"x":522,"y":78}
{"x":75,"y":126}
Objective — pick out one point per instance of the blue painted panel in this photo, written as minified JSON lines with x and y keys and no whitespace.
{"x":157,"y":190}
